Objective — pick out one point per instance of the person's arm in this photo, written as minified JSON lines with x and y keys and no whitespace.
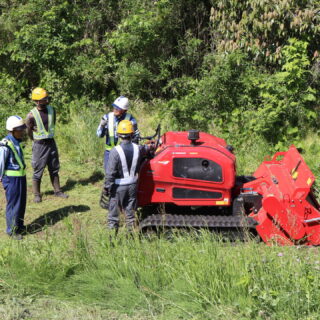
{"x":147,"y":150}
{"x":112,"y":169}
{"x":103,"y":126}
{"x":30,"y":123}
{"x":54,"y":115}
{"x":136,"y":133}
{"x":4,"y":153}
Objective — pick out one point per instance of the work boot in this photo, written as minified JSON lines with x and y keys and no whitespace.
{"x":56,"y":186}
{"x":36,"y":191}
{"x":16,"y":236}
{"x":22,"y":230}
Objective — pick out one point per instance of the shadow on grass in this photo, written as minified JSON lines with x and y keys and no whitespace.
{"x":70,"y":184}
{"x":52,"y":217}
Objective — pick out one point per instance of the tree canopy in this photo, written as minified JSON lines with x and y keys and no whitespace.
{"x":241,"y":66}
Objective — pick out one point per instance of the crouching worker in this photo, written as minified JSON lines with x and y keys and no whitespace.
{"x":122,"y":176}
{"x":13,"y":176}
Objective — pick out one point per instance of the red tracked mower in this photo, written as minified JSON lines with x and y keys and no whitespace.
{"x":191,"y":182}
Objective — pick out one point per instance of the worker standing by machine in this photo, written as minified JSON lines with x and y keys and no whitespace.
{"x":109,"y":123}
{"x":122,"y":176}
{"x":41,"y":128}
{"x":13,"y":176}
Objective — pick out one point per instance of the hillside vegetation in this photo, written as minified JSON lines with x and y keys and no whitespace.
{"x":236,"y":68}
{"x":68,"y":269}
{"x":247,"y":71}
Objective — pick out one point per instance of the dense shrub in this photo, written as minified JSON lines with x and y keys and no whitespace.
{"x":240,"y":67}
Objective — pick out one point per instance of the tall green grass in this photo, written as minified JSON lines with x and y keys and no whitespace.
{"x":76,"y":269}
{"x":190,"y":276}
{"x":78,"y":138}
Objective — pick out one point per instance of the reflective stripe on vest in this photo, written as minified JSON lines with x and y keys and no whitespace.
{"x":42,"y":133}
{"x":16,"y":173}
{"x":128,"y":177}
{"x":111,"y":129}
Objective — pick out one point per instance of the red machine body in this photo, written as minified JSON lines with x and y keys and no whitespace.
{"x":188,"y":174}
{"x":202,"y":173}
{"x":289,"y":213}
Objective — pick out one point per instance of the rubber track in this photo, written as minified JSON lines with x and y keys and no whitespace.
{"x":196,"y":221}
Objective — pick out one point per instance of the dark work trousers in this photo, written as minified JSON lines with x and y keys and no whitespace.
{"x":44,"y":153}
{"x":16,"y":195}
{"x":106,"y":158}
{"x":124,"y":197}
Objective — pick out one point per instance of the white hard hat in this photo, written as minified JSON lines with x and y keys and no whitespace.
{"x":15,"y":122}
{"x":121,"y":103}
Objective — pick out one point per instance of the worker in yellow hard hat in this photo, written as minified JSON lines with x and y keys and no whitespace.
{"x":41,"y":129}
{"x":122,"y":176}
{"x":13,"y":176}
{"x":109,"y":123}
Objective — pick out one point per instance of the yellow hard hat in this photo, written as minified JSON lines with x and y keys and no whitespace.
{"x":125,"y":127}
{"x":39,"y":94}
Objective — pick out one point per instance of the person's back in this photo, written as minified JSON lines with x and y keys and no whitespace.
{"x":122,"y":177}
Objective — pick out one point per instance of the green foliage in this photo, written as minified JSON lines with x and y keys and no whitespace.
{"x":58,"y":46}
{"x":10,"y":100}
{"x":239,"y":99}
{"x":262,"y":27}
{"x":287,"y":98}
{"x":216,"y":102}
{"x":233,"y":68}
{"x":152,"y":46}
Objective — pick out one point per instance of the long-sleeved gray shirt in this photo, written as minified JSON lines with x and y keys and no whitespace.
{"x":114,"y":168}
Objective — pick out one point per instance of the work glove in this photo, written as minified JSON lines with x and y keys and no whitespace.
{"x":135,"y":140}
{"x":106,"y":192}
{"x":151,"y":144}
{"x":104,"y":199}
{"x":103,"y":122}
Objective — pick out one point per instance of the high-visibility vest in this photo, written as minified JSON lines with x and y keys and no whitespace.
{"x":42,"y":133}
{"x":111,"y":129}
{"x":22,"y":168}
{"x":128,"y":177}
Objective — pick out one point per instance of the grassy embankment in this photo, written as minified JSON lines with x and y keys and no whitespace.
{"x":67,"y":268}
